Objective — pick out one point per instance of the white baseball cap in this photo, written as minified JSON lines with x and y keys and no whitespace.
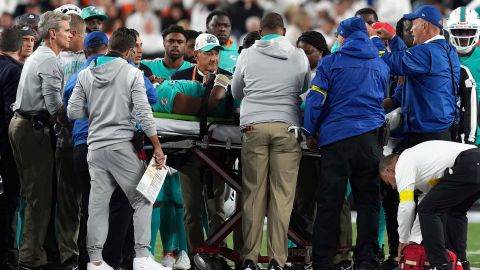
{"x":206,"y":42}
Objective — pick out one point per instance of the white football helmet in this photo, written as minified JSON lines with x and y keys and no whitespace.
{"x":463,"y":25}
{"x":69,"y":9}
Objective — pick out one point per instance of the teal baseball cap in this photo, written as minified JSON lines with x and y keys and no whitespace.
{"x":93,"y":12}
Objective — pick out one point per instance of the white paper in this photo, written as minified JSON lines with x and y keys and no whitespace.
{"x":152,"y":181}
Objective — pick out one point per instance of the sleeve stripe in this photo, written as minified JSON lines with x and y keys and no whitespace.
{"x":319,"y":90}
{"x":406,"y":195}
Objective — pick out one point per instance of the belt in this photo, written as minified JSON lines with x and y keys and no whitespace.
{"x":31,"y":116}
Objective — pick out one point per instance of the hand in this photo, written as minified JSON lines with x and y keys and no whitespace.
{"x":401,"y":246}
{"x":155,"y":79}
{"x":384,"y":34}
{"x":312,"y":144}
{"x":371,"y":32}
{"x":222,"y":81}
{"x":159,"y":158}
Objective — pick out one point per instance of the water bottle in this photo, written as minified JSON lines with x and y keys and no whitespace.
{"x":1,"y":185}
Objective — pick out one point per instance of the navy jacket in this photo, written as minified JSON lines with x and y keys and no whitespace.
{"x":427,"y":99}
{"x":10,"y":71}
{"x":347,"y":92}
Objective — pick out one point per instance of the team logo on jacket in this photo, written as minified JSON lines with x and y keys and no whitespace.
{"x":164,"y":101}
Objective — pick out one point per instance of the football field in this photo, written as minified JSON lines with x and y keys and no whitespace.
{"x":473,"y":245}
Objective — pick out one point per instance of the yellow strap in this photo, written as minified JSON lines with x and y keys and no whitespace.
{"x":319,"y":90}
{"x":381,"y":53}
{"x":406,"y":195}
{"x":433,"y":182}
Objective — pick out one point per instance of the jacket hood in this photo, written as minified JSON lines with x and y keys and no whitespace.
{"x":105,"y":72}
{"x":278,"y":47}
{"x":359,"y":45}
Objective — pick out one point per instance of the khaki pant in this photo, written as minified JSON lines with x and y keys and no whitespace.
{"x":68,"y":205}
{"x":270,"y":161}
{"x":32,"y":150}
{"x":191,"y":183}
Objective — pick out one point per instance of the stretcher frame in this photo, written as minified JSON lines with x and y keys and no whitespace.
{"x":201,"y":150}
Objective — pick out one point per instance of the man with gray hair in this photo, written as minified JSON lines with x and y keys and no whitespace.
{"x":38,"y":101}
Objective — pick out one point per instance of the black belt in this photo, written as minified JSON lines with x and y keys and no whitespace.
{"x":31,"y":116}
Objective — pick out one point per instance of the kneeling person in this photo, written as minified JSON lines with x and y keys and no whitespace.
{"x":448,"y":174}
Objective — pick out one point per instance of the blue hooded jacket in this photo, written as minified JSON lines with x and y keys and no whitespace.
{"x":80,"y":126}
{"x":426,"y":97}
{"x":348,"y":89}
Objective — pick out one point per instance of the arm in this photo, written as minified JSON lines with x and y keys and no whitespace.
{"x":468,"y":105}
{"x":143,"y":111}
{"x":238,"y":84}
{"x":51,"y":80}
{"x":10,"y":89}
{"x":415,"y":60}
{"x":76,"y":104}
{"x":406,"y":213}
{"x":316,"y":97}
{"x":394,"y":101}
{"x":151,"y":91}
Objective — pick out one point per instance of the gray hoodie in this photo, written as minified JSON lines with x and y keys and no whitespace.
{"x":270,"y":76}
{"x":113,"y":91}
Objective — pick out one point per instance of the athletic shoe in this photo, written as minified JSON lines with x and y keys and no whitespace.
{"x":183,"y":262}
{"x":147,"y":263}
{"x":103,"y":266}
{"x":273,"y":265}
{"x":249,"y":265}
{"x":168,"y":261}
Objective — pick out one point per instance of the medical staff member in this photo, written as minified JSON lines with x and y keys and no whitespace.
{"x":112,"y":159}
{"x":270,"y":152}
{"x":428,"y":100}
{"x":343,"y":115}
{"x":447,"y":173}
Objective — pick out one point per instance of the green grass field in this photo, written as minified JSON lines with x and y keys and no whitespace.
{"x":473,"y":245}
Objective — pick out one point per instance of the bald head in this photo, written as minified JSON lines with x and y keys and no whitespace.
{"x":272,"y":23}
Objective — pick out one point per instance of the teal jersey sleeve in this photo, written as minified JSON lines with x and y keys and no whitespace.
{"x":167,"y":91}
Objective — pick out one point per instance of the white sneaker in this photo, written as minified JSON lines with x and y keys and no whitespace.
{"x":103,"y":266}
{"x":183,"y":262}
{"x":168,"y":261}
{"x":147,"y":263}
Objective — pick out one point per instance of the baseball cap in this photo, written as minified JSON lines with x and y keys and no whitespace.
{"x":93,"y":12}
{"x":26,"y":31}
{"x":428,"y":13}
{"x":95,"y":38}
{"x":207,"y":42}
{"x":28,"y":19}
{"x":68,"y":9}
{"x":350,"y":25}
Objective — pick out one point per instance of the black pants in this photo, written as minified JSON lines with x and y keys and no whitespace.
{"x":390,"y":203}
{"x":9,"y":202}
{"x":453,"y":196}
{"x":120,"y":219}
{"x":356,"y":159}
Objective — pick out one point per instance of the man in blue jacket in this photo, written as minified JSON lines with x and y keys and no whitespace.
{"x":428,"y":98}
{"x":343,"y":116}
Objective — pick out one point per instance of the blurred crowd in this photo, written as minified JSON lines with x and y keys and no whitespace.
{"x":150,"y":17}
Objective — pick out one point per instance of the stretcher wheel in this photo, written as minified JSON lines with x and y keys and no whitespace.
{"x":210,"y":263}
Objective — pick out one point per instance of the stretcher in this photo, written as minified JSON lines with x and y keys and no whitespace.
{"x":180,"y":134}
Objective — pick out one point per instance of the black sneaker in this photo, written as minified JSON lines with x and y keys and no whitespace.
{"x":249,"y":265}
{"x":273,"y":265}
{"x":367,"y":266}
